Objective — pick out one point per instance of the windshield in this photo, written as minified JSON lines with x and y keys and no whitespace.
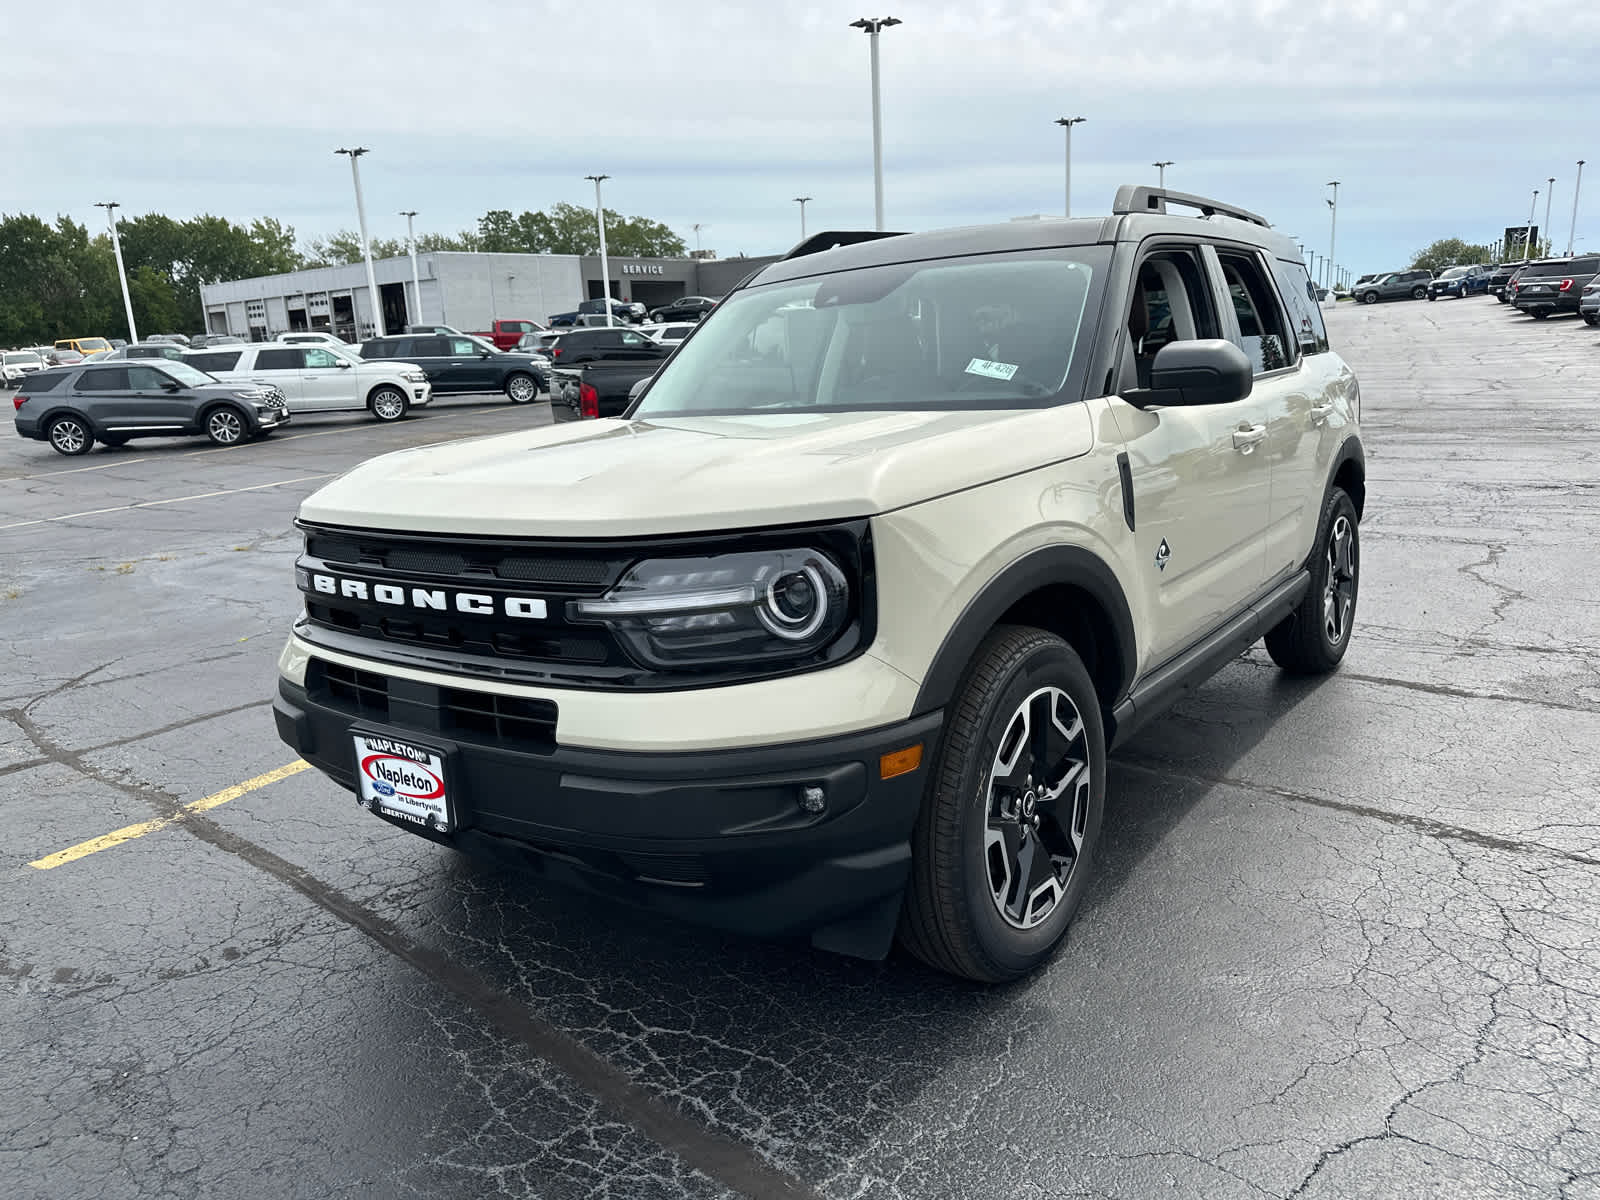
{"x":22,"y":356}
{"x":187,"y":375}
{"x":996,"y":331}
{"x":1454,"y":273}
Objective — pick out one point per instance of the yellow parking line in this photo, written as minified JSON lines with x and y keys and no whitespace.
{"x":128,"y":832}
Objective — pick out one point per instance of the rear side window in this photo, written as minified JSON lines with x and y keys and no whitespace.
{"x":280,"y":360}
{"x":1305,"y":314}
{"x":430,"y":347}
{"x":212,"y":361}
{"x":1585,"y":266}
{"x":104,"y":379}
{"x":381,"y":349}
{"x":1255,"y":303}
{"x":46,"y":381}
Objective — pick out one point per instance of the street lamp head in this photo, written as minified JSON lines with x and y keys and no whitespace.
{"x":108,"y":205}
{"x":1167,"y":163}
{"x":597,"y":178}
{"x":1069,"y":122}
{"x":874,"y":24}
{"x":355,"y":153}
{"x":801,"y":199}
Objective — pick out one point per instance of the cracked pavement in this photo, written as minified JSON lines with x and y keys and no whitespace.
{"x":1341,"y":942}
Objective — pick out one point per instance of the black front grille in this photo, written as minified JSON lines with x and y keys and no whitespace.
{"x":475,"y":561}
{"x":487,"y":717}
{"x":360,"y":693}
{"x":514,"y":719}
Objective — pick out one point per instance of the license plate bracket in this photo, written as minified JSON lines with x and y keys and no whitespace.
{"x":403,"y":779}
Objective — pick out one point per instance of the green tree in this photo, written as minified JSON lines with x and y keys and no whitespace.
{"x":1452,"y":252}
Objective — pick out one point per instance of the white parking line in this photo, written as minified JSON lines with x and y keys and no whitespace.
{"x":121,"y":462}
{"x":95,"y":512}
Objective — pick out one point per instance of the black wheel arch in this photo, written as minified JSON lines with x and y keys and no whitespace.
{"x":1350,"y":473}
{"x":1067,"y":590}
{"x":51,"y":415}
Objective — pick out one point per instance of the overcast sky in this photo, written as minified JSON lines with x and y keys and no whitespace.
{"x":1439,"y":117}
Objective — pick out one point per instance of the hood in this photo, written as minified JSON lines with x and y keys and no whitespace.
{"x":616,"y":478}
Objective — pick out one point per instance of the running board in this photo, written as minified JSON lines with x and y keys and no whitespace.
{"x":1177,"y":677}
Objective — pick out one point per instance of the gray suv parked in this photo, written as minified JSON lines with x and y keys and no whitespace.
{"x":1398,"y":286}
{"x":74,"y":407}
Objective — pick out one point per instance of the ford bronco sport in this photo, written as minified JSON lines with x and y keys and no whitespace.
{"x":830,"y":634}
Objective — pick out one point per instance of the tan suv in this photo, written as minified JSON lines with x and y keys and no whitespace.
{"x":829,"y":635}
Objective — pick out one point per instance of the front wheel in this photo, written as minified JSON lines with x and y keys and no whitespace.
{"x":225,"y":426}
{"x":1431,"y":297}
{"x":1002,"y":849}
{"x":1370,"y":298}
{"x":521,"y":388}
{"x":1591,"y":318}
{"x":388,"y":404}
{"x":1313,"y":638}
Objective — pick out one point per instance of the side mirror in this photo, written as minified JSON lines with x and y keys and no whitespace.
{"x":171,"y":385}
{"x":1194,"y":373}
{"x":344,"y":364}
{"x":483,"y":354}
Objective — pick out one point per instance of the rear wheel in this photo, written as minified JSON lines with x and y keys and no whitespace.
{"x":1539,"y":314}
{"x":1591,"y":318}
{"x":521,"y":388}
{"x":388,"y":403}
{"x":1417,"y":293}
{"x":1312,"y":639}
{"x":225,"y":425}
{"x":70,"y":436}
{"x":1002,"y":849}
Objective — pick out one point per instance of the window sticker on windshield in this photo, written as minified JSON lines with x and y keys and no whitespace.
{"x":994,"y":370}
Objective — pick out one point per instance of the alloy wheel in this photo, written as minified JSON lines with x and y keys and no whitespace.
{"x":68,"y":436}
{"x":224,"y":427}
{"x":522,"y":389}
{"x":1036,"y":808}
{"x":388,"y":405}
{"x":1339,"y":593}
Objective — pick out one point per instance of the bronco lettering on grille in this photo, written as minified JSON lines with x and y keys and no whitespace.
{"x":478,"y":604}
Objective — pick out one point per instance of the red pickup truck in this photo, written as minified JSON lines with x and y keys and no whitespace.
{"x":506,"y":334}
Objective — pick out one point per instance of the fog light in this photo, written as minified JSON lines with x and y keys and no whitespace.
{"x":813,"y":799}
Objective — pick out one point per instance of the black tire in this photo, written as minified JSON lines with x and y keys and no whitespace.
{"x":113,"y":439}
{"x":1539,"y":314}
{"x":521,"y":388}
{"x":1417,"y":293}
{"x":227,"y":425}
{"x":388,"y":403}
{"x":973,"y":827}
{"x":1431,"y":297}
{"x":70,"y":435}
{"x":1369,"y":297}
{"x":1591,"y":318}
{"x":1306,"y":641}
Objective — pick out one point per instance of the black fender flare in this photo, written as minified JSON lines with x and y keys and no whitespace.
{"x":1350,"y":451}
{"x":1072,"y":566}
{"x":67,"y":410}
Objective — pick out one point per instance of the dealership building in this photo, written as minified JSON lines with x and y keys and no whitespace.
{"x":467,"y":290}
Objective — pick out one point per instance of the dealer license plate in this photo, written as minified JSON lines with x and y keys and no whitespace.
{"x":403,"y":780}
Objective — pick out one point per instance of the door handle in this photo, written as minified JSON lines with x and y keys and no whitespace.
{"x":1246,"y":437}
{"x":1319,"y":413}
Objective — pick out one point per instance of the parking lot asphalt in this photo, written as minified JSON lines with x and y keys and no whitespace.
{"x":1341,"y":942}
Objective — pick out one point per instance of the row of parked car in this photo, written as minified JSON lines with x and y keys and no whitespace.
{"x":1539,"y":287}
{"x":241,"y":390}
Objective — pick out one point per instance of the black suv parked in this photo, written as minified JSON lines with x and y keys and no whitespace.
{"x":463,"y":364}
{"x":1500,"y":277}
{"x":1556,"y":286}
{"x":74,"y":407}
{"x":586,"y":345}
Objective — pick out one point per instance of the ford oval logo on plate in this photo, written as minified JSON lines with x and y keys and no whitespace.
{"x":403,"y":780}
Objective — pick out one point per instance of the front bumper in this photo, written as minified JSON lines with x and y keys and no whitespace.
{"x":717,"y":837}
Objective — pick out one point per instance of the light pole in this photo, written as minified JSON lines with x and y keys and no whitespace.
{"x":1067,"y":123}
{"x":1527,"y":242}
{"x":697,"y":228}
{"x":1573,"y":228}
{"x":1162,"y":178}
{"x":871,"y":26}
{"x":600,"y":221}
{"x":1548,"y":196}
{"x":801,"y":201}
{"x":1333,"y":226}
{"x":416,"y":280}
{"x":111,"y":207}
{"x":366,"y":247}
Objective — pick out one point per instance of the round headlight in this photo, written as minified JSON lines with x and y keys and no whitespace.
{"x":795,"y":604}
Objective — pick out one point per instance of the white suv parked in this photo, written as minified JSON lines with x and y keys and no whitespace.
{"x":830,"y":634}
{"x":321,"y":378}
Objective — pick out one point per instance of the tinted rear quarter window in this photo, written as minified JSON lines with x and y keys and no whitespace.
{"x":430,"y":347}
{"x":280,"y":360}
{"x":214,"y":361}
{"x":44,"y":381}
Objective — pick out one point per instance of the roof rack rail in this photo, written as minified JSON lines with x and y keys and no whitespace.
{"x":832,"y":240}
{"x":1133,"y":198}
